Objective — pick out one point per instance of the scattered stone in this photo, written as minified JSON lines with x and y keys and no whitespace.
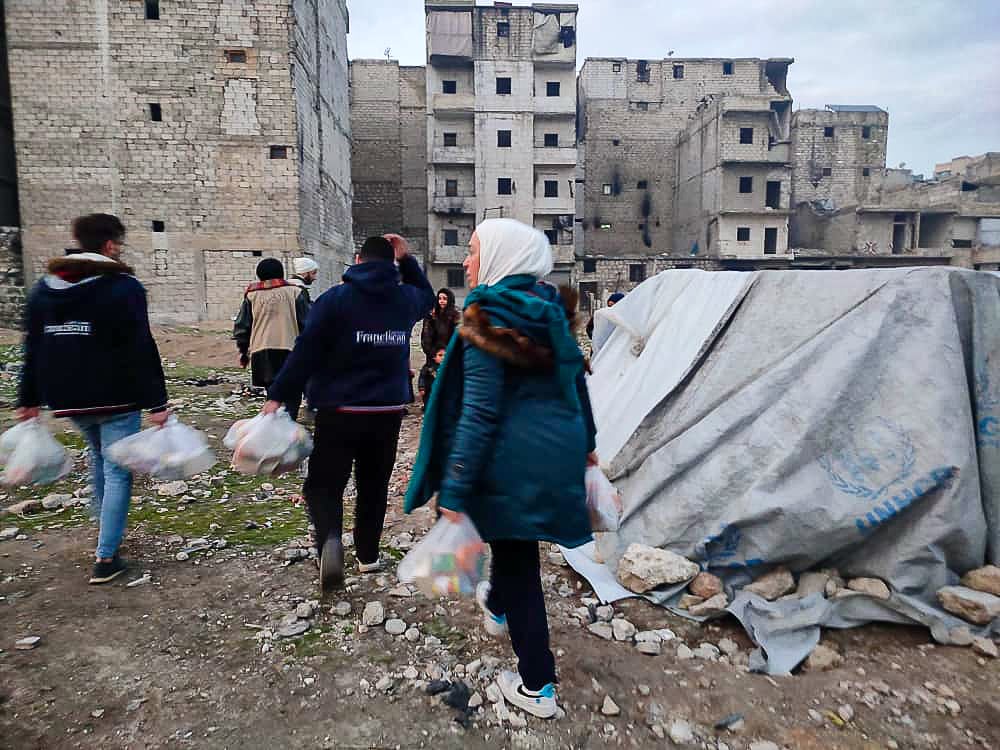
{"x":650,"y":648}
{"x":684,"y":653}
{"x":347,"y":539}
{"x":139,"y":581}
{"x":556,"y":558}
{"x":401,"y":592}
{"x":395,"y":626}
{"x":304,"y":611}
{"x":764,"y":745}
{"x":680,"y":732}
{"x":773,"y":584}
{"x":516,"y":720}
{"x":475,"y":701}
{"x":643,"y":568}
{"x":689,"y":600}
{"x":172,"y":489}
{"x":27,"y":643}
{"x":384,"y":685}
{"x":985,"y":647}
{"x":707,"y":651}
{"x":710,"y":607}
{"x":977,"y":607}
{"x":961,"y":636}
{"x":706,"y":585}
{"x":23,"y":508}
{"x":604,"y":613}
{"x":412,"y":635}
{"x":341,"y":609}
{"x":293,"y":629}
{"x":373,"y":614}
{"x":644,"y":690}
{"x":812,"y":582}
{"x":182,"y":556}
{"x":601,"y":630}
{"x":55,"y":501}
{"x":871,"y":586}
{"x":823,"y":658}
{"x":728,"y":646}
{"x":411,"y":673}
{"x":623,"y":630}
{"x":9,"y":533}
{"x":846,"y":712}
{"x":609,"y":707}
{"x":135,"y":705}
{"x":985,"y":579}
{"x":493,"y":694}
{"x":98,"y":713}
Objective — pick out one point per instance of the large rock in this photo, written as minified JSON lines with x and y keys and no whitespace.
{"x":706,"y":585}
{"x":983,"y":579}
{"x":977,"y":607}
{"x":10,"y":532}
{"x":55,"y":501}
{"x":711,"y":607}
{"x":643,"y":568}
{"x":871,"y":586}
{"x":771,"y":585}
{"x":823,"y":658}
{"x":22,"y":508}
{"x":373,"y":614}
{"x":689,"y":600}
{"x":985,"y":647}
{"x":813,"y":582}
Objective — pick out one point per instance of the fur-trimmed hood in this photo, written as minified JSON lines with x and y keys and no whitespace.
{"x":74,"y":268}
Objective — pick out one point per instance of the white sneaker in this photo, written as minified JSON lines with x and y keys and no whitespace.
{"x":541,"y":703}
{"x":374,"y":567}
{"x":496,"y":625}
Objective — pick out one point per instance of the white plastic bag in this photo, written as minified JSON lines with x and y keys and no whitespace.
{"x":450,"y":560}
{"x":268,"y":444}
{"x":172,"y":452}
{"x":32,"y":455}
{"x":603,"y":501}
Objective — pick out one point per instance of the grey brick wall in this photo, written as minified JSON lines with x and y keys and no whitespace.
{"x":11,"y":278}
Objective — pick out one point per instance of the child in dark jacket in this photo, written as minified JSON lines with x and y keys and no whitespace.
{"x":427,"y":375}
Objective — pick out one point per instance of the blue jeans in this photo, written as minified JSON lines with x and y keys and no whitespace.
{"x":112,"y":483}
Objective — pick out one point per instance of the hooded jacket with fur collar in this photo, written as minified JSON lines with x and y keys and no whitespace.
{"x":88,"y":347}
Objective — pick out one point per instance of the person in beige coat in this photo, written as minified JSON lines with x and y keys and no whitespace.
{"x":271,"y":317}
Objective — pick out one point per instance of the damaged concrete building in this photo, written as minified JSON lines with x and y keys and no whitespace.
{"x":501,"y":136}
{"x":218,"y":131}
{"x":631,"y":116}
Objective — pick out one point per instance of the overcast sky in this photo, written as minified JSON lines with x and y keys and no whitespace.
{"x":933,"y":64}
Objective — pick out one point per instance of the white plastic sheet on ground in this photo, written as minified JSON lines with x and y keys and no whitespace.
{"x":846,"y":419}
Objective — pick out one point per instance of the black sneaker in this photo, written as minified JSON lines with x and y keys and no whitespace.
{"x":108,"y":571}
{"x":331,"y":564}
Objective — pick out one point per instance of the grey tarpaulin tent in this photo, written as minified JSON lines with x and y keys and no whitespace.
{"x":846,"y":419}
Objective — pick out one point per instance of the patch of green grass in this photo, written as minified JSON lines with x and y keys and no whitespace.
{"x":314,"y":642}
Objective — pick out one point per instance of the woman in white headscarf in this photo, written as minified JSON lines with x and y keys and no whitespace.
{"x":506,"y":439}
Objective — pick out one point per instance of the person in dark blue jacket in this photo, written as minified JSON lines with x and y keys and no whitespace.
{"x":89,"y":355}
{"x":507,"y":437}
{"x":353,"y":359}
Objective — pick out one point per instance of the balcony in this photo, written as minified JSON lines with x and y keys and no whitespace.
{"x":453,"y":155}
{"x":779,"y":153}
{"x":449,"y":253}
{"x":561,"y":156}
{"x":454,"y":204}
{"x":564,"y":204}
{"x":555,"y":105}
{"x":454,"y":103}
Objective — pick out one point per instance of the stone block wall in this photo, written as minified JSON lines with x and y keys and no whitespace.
{"x":615,"y":274}
{"x":12,"y":292}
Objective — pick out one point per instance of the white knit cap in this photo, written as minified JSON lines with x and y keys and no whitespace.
{"x":304,"y":265}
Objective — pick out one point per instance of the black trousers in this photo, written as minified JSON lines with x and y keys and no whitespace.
{"x":516,"y":591}
{"x":366,"y":443}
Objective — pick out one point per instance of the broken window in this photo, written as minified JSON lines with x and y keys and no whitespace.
{"x":551,"y":188}
{"x":642,"y":185}
{"x":552,"y":88}
{"x":678,"y":72}
{"x":278,"y":152}
{"x":152,"y":10}
{"x":616,"y":67}
{"x":828,"y":131}
{"x":450,"y":237}
{"x":637,"y":273}
{"x":236,"y":56}
{"x":451,"y":139}
{"x":505,"y":186}
{"x":503,"y":86}
{"x":503,"y":139}
{"x":961,"y":243}
{"x":727,"y":68}
{"x":589,"y":265}
{"x":606,"y":188}
{"x":451,"y":188}
{"x":257,"y":253}
{"x":155,"y":112}
{"x":642,"y":71}
{"x":770,"y":240}
{"x":827,"y":171}
{"x":567,"y":35}
{"x":742,"y":234}
{"x":551,"y":140}
{"x":456,"y":278}
{"x":746,"y":135}
{"x":773,"y":196}
{"x":552,"y":235}
{"x":866,"y":132}
{"x":746,"y":184}
{"x":866,"y":172}
{"x":159,"y":226}
{"x":449,"y":87}
{"x":642,"y":106}
{"x":503,"y":28}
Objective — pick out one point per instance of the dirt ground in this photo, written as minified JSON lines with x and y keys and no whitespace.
{"x":191,"y":658}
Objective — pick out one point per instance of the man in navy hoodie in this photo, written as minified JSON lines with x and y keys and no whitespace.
{"x":353,"y":359}
{"x":89,"y":355}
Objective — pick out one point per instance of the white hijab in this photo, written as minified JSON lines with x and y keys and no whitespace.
{"x":509,"y":248}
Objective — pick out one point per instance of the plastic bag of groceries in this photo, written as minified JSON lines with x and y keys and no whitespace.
{"x":174,"y":451}
{"x":268,"y":444}
{"x":450,"y":560}
{"x":32,"y":456}
{"x":603,"y":501}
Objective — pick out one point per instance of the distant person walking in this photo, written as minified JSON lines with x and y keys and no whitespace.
{"x":89,"y":355}
{"x":272,"y":315}
{"x":353,"y":359}
{"x":613,"y":300}
{"x":306,"y":273}
{"x":507,"y":437}
{"x":439,"y":325}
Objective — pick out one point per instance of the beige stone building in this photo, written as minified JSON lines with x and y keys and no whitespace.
{"x":218,"y":130}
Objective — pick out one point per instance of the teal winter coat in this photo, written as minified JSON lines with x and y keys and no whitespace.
{"x":508,"y":428}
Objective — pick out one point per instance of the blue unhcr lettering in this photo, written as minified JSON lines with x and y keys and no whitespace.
{"x":889,"y":509}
